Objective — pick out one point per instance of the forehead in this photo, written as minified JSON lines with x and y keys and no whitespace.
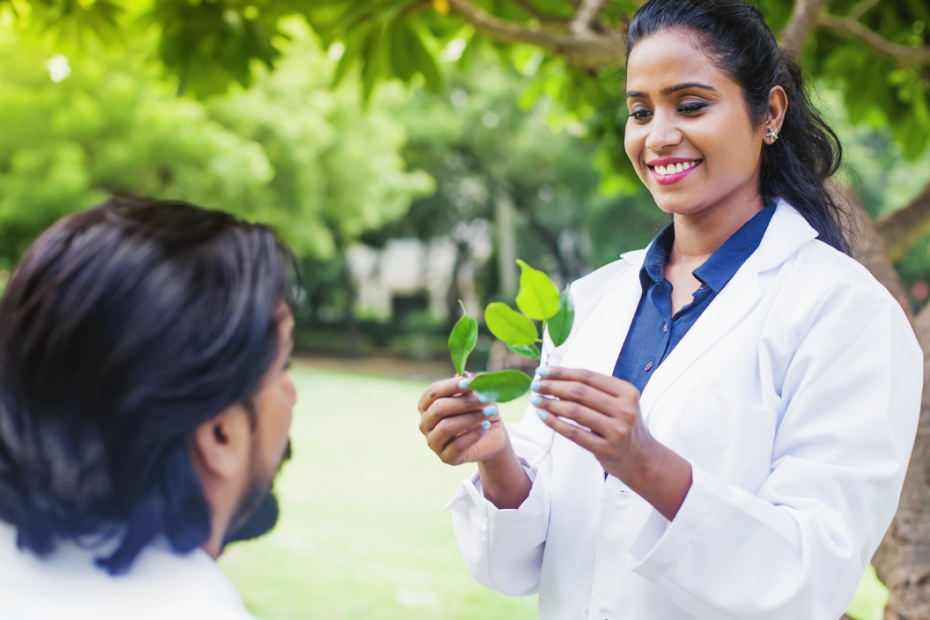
{"x":668,"y":58}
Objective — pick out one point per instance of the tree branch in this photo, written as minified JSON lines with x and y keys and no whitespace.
{"x":901,"y":228}
{"x":803,"y":20}
{"x":901,"y":54}
{"x":863,"y":7}
{"x":585,"y":16}
{"x":588,"y":51}
{"x":542,"y":17}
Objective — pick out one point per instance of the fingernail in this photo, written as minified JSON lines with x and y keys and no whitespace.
{"x":490,"y":410}
{"x":485,"y":425}
{"x":535,"y":399}
{"x":468,"y":374}
{"x":535,"y":385}
{"x":483,"y":399}
{"x":542,"y":414}
{"x":464,"y":383}
{"x":542,"y":371}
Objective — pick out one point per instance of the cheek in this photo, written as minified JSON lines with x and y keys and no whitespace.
{"x":633,"y":139}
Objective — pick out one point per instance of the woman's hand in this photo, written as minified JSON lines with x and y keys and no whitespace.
{"x":460,"y":428}
{"x":616,"y":434}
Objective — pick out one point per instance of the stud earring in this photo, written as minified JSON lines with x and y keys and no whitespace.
{"x":772,"y":134}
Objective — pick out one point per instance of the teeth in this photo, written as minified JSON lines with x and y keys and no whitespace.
{"x":675,"y":168}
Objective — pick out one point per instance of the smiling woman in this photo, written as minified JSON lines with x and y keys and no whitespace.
{"x":726,"y":430}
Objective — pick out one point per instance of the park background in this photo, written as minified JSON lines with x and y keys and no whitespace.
{"x":409,"y":151}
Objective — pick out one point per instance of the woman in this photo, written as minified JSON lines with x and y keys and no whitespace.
{"x":726,"y":431}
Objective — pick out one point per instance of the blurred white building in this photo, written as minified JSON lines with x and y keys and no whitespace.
{"x":410,"y":274}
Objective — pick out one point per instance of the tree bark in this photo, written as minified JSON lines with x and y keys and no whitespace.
{"x":902,"y":228}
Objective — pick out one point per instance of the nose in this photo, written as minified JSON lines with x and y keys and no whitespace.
{"x":663,"y":133}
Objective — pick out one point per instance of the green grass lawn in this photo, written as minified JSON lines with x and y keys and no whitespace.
{"x":363,"y":534}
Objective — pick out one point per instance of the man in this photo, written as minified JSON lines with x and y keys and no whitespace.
{"x":145,"y":408}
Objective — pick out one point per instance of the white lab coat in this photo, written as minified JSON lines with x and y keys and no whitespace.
{"x":67,"y":585}
{"x":795,"y":398}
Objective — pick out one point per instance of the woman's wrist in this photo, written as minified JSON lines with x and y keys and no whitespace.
{"x":662,"y":477}
{"x":504,"y":480}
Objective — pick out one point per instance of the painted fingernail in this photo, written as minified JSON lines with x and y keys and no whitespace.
{"x":535,"y":399}
{"x":535,"y":385}
{"x":485,"y":425}
{"x":542,"y":371}
{"x":542,"y":414}
{"x":483,"y":399}
{"x":490,"y":410}
{"x":464,"y":383}
{"x":468,"y":374}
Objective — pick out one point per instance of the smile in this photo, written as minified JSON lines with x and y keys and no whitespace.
{"x":669,"y":171}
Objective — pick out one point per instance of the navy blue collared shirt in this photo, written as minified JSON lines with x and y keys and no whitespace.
{"x":654,"y":332}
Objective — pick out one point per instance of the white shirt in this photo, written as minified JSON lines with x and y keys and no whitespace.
{"x":66,"y":585}
{"x":795,"y":397}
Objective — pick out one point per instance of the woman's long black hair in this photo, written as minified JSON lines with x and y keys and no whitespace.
{"x":807,"y":153}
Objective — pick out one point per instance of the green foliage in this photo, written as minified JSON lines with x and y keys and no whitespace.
{"x":210,"y":44}
{"x":560,"y":326}
{"x":509,"y":325}
{"x":538,"y":297}
{"x":502,"y":386}
{"x":531,"y":351}
{"x":462,"y":340}
{"x":288,"y":152}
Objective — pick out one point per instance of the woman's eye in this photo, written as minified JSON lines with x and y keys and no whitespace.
{"x":640,"y":114}
{"x":692,"y":107}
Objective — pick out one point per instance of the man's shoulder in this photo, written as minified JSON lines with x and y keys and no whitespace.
{"x":160,"y":585}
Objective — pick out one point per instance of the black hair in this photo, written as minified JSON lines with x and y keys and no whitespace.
{"x":807,"y":152}
{"x":123,"y":329}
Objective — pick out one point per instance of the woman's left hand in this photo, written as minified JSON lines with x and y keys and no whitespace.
{"x":617,"y":436}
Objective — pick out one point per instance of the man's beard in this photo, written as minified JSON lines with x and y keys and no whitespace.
{"x":258,"y":511}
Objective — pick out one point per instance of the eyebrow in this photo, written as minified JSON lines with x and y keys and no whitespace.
{"x":671,"y":89}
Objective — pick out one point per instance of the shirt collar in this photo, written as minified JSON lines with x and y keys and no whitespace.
{"x":722,"y":264}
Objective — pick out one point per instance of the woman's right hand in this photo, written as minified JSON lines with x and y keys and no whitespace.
{"x":451,"y":419}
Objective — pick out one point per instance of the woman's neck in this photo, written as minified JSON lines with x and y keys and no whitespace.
{"x":698,"y":235}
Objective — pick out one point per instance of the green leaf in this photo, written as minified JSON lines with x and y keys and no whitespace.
{"x":503,"y":386}
{"x":400,"y":46}
{"x":560,"y":326}
{"x":462,"y":340}
{"x":530,"y":351}
{"x":538,"y":298}
{"x":509,"y":325}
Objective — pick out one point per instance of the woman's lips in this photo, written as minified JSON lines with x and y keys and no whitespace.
{"x":671,"y":179}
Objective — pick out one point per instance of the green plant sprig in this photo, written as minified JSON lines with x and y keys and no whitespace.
{"x":538,"y":299}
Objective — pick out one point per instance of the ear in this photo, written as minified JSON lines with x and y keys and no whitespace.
{"x":221,"y":447}
{"x":778,"y":107}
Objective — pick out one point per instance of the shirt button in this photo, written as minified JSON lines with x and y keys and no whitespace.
{"x":665,"y":328}
{"x":648,"y":366}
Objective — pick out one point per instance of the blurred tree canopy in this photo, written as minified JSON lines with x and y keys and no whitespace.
{"x":288,"y":149}
{"x":875,"y":54}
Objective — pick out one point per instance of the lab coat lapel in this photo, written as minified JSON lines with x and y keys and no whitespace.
{"x":786,"y":233}
{"x":599,"y":342}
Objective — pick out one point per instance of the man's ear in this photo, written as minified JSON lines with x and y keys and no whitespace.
{"x":221,"y":446}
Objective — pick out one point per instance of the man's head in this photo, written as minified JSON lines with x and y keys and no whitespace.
{"x":143,"y":383}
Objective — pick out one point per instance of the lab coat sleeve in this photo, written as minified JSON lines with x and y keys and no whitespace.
{"x":796,"y":548}
{"x":503,"y":549}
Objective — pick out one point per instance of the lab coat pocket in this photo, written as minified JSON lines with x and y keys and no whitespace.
{"x":729,"y":438}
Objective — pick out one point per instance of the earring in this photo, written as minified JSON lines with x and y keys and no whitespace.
{"x":772,"y":134}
